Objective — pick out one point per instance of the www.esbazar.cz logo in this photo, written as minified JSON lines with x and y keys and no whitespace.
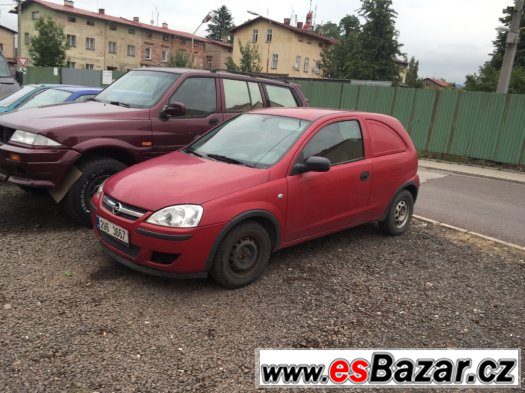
{"x":388,"y":368}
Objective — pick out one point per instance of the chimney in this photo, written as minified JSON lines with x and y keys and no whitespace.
{"x":136,"y":19}
{"x":69,"y":3}
{"x":287,"y":21}
{"x":164,"y":25}
{"x":299,"y":25}
{"x":101,"y":11}
{"x":309,"y":18}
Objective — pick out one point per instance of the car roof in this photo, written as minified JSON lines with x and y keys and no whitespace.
{"x":70,"y":88}
{"x":313,"y":114}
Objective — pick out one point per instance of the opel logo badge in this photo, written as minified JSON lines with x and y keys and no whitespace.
{"x":116,"y":208}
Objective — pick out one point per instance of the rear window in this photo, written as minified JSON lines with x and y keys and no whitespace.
{"x":280,"y":96}
{"x":47,"y":97}
{"x":14,"y":97}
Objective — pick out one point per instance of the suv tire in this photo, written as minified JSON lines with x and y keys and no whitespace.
{"x":94,"y":172}
{"x":242,"y":255}
{"x":400,"y":214}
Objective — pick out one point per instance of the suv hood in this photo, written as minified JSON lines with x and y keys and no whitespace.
{"x":53,"y":120}
{"x":179,"y":178}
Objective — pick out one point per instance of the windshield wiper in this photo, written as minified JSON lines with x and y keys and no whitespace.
{"x":192,"y":151}
{"x":117,"y":103}
{"x":229,"y":160}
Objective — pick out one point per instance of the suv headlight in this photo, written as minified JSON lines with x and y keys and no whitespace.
{"x":29,"y":138}
{"x":179,"y":216}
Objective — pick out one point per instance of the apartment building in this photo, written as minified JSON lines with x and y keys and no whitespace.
{"x":285,"y":50}
{"x":7,"y":44}
{"x":100,"y":41}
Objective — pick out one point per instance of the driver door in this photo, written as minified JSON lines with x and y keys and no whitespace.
{"x":322,"y":202}
{"x":200,"y":97}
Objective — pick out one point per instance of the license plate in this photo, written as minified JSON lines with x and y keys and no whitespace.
{"x":113,"y":230}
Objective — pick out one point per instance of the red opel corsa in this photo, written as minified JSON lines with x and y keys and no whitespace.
{"x":260,"y":182}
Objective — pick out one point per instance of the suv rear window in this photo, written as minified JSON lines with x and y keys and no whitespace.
{"x":280,"y":96}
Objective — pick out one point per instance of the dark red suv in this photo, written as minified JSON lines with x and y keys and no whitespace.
{"x":260,"y":182}
{"x":70,"y":149}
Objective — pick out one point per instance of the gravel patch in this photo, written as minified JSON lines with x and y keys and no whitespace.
{"x":72,"y":320}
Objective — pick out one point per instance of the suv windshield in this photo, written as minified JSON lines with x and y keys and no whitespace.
{"x":138,"y":89}
{"x":14,"y":97}
{"x":254,"y":140}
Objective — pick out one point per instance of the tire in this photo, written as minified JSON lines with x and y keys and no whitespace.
{"x":400,"y":214}
{"x":232,"y":267}
{"x":78,"y":198}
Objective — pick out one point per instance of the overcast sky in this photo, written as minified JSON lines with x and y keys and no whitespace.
{"x":451,"y":38}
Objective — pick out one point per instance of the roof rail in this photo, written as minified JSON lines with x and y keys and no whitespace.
{"x":252,"y":74}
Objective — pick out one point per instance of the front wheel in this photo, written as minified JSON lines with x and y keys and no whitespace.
{"x":400,"y":214}
{"x":242,"y":255}
{"x":94,"y":172}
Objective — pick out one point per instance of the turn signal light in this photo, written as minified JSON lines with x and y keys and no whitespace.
{"x":147,"y":144}
{"x":14,"y":157}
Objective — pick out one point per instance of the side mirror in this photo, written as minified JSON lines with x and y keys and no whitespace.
{"x":313,"y":164}
{"x":173,"y":109}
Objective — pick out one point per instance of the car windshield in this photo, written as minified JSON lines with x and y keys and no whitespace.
{"x":17,"y":95}
{"x":47,"y":97}
{"x":254,"y":140}
{"x":138,"y":89}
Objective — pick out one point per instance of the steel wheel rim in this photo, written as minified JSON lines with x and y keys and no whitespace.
{"x":244,"y":255}
{"x":401,"y":214}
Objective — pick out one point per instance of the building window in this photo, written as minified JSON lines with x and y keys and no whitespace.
{"x":90,"y":43}
{"x":131,"y":50}
{"x":255,"y":35}
{"x":269,"y":35}
{"x":90,"y":22}
{"x":209,"y":62}
{"x":112,"y":47}
{"x":70,"y":64}
{"x":297,"y":64}
{"x":275,"y":61}
{"x":164,"y":55}
{"x":90,"y":66}
{"x":309,"y":41}
{"x":27,"y":38}
{"x":131,"y":30}
{"x":165,"y":37}
{"x":182,"y":41}
{"x":71,"y":41}
{"x":72,"y":19}
{"x":112,"y":26}
{"x":300,"y":38}
{"x":149,"y":35}
{"x":147,"y":54}
{"x":306,"y":64}
{"x":35,"y":15}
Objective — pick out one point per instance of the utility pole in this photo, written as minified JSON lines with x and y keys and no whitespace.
{"x":513,"y":37}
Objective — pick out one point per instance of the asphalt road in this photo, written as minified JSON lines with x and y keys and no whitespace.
{"x":491,"y":207}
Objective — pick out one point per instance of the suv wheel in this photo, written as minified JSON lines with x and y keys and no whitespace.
{"x":94,"y":172}
{"x":242,"y":255}
{"x":400,"y":214}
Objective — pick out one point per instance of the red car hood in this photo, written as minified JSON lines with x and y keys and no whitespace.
{"x":179,"y":178}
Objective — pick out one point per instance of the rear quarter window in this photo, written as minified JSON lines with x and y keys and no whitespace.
{"x":280,"y":96}
{"x":385,"y":140}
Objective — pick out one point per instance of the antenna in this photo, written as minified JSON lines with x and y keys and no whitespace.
{"x":315,"y":15}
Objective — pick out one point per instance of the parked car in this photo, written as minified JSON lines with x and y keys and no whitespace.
{"x":8,"y":84}
{"x":32,"y":96}
{"x":260,"y":182}
{"x":69,"y":150}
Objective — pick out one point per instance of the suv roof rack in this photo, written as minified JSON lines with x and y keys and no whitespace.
{"x":252,"y":74}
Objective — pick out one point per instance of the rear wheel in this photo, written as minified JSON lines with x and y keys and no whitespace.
{"x":242,"y":255}
{"x":94,"y":172}
{"x":400,"y":214}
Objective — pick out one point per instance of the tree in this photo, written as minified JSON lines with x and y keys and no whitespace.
{"x":250,"y":59}
{"x":48,"y":47}
{"x":378,"y":42}
{"x":329,"y":29}
{"x":180,"y":59}
{"x":220,"y":24}
{"x":412,"y":79}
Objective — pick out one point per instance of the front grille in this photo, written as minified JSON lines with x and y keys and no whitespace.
{"x":131,"y":250}
{"x":123,"y":210}
{"x":6,"y":133}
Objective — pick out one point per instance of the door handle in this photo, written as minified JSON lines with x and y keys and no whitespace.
{"x":364,"y":176}
{"x":213,"y":122}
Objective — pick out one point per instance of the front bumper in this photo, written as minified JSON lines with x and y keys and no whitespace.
{"x":42,"y":168}
{"x":165,"y":252}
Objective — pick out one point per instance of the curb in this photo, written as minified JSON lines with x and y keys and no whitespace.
{"x":458,"y":172}
{"x":466,"y":231}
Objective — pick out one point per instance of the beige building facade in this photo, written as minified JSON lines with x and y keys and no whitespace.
{"x":7,"y":43}
{"x":285,"y":50}
{"x":100,"y":41}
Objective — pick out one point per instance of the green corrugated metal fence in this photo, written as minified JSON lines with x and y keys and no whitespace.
{"x":55,"y":75}
{"x":486,"y":126}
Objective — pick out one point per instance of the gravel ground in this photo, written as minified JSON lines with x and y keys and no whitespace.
{"x":71,"y":320}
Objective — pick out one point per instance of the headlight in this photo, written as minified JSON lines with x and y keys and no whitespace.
{"x":100,"y":189}
{"x":180,"y":216}
{"x":29,"y":138}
